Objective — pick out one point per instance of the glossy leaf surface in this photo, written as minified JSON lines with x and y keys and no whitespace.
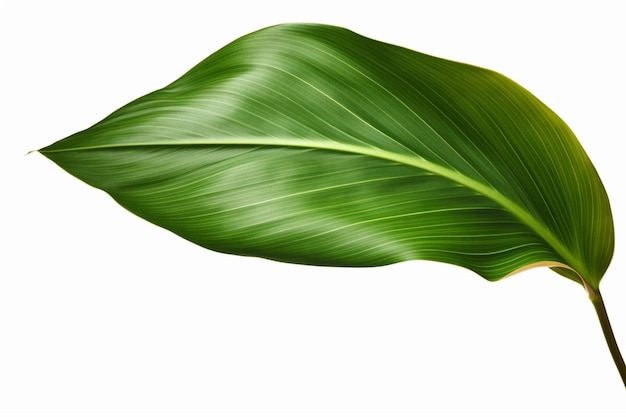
{"x":312,"y":144}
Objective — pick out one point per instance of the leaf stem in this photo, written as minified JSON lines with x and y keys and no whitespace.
{"x":598,"y":303}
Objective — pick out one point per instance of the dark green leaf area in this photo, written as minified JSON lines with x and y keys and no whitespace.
{"x":310,"y":206}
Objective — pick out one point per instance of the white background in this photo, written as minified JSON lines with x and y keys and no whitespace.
{"x":103,"y":314}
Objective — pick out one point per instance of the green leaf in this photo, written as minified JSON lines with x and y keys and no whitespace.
{"x":312,"y":144}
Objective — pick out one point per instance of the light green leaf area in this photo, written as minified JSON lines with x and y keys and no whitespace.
{"x":312,"y":144}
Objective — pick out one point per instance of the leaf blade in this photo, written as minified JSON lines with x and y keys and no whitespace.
{"x":317,"y":93}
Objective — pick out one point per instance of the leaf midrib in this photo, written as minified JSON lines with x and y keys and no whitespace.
{"x":409,"y":160}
